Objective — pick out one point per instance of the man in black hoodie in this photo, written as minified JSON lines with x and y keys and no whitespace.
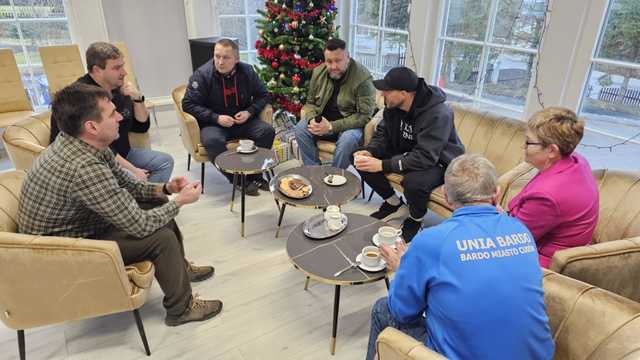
{"x":226,"y":97}
{"x":416,"y":138}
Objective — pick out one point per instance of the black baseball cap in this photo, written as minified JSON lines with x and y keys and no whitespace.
{"x":398,"y":78}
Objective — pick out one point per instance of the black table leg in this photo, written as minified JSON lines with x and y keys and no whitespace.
{"x":334,"y":330}
{"x":284,"y":205}
{"x":233,"y":191}
{"x":21,"y":348}
{"x":386,"y":281}
{"x":243,"y":182}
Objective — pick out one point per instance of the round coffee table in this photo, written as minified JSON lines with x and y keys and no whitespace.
{"x":322,"y":195}
{"x":321,"y":259}
{"x":241,"y":165}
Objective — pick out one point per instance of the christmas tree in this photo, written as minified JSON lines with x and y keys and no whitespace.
{"x":292,"y":39}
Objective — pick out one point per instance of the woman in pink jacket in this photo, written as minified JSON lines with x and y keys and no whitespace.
{"x":560,"y":204}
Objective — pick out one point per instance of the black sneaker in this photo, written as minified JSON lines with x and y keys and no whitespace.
{"x":251,"y":188}
{"x":385,"y":210}
{"x":410,"y":228}
{"x":262,"y":184}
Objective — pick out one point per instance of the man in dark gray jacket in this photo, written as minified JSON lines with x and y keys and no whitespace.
{"x":226,"y":97}
{"x":416,"y":138}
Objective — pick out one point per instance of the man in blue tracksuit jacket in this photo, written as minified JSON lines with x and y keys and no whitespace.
{"x":226,"y":96}
{"x":470,"y":287}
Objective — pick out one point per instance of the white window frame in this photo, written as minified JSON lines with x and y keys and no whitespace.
{"x":247,"y":25}
{"x":595,"y":60}
{"x":486,"y":46}
{"x":380,"y":28}
{"x":29,"y":66}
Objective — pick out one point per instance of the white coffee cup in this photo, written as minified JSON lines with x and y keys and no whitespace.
{"x":246,"y":144}
{"x":370,"y":256}
{"x":333,"y":217}
{"x":388,"y":235}
{"x":358,"y":158}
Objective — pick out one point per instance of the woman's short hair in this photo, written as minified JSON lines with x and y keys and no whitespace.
{"x":559,"y":126}
{"x":470,"y":178}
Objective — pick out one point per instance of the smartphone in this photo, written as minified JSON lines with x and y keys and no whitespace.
{"x":318,"y":118}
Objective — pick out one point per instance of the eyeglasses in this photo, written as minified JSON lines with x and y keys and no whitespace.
{"x":527,"y":143}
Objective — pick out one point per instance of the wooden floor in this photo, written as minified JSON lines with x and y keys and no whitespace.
{"x":266,"y":315}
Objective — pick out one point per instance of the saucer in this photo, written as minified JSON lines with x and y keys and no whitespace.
{"x":250,"y":151}
{"x":376,"y":240}
{"x":336,"y":180}
{"x":381,"y":266}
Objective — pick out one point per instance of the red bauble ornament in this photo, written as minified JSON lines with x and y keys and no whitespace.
{"x":275,"y":65}
{"x":295,"y":79}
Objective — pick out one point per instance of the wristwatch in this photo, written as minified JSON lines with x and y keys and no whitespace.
{"x":140,"y":99}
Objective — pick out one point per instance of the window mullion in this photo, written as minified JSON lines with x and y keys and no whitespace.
{"x":381,"y":10}
{"x":596,"y":49}
{"x":635,"y":66}
{"x":484,"y":59}
{"x":246,"y":28}
{"x":442,"y":41}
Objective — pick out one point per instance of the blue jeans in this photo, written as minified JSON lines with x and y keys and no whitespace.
{"x":347,"y":143}
{"x":381,"y":318}
{"x":159,"y":164}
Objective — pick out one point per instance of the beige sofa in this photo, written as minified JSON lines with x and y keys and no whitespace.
{"x":496,"y":137}
{"x":612,"y":260}
{"x":586,"y":323}
{"x":49,"y":279}
{"x":26,"y":139}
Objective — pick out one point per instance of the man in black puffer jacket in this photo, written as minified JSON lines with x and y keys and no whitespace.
{"x":416,"y":138}
{"x":226,"y":97}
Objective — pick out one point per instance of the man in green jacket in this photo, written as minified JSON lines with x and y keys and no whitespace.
{"x":340,"y":102}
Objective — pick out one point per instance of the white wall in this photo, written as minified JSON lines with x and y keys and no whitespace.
{"x":202,"y":18}
{"x":155,"y":32}
{"x":86,"y":23}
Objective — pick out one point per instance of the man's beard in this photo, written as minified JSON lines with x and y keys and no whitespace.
{"x":337,"y":76}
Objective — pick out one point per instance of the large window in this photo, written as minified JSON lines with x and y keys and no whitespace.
{"x":611,"y":98}
{"x":238,"y":20}
{"x":379,"y":33}
{"x":488,"y":49}
{"x":25,"y":25}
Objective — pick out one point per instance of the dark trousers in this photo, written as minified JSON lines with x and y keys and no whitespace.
{"x":417,"y":187}
{"x":214,"y":138}
{"x":164,"y":249}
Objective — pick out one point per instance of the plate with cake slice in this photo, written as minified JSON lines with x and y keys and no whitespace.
{"x":295,"y":186}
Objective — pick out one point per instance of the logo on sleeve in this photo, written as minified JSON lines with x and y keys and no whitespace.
{"x":125,"y":113}
{"x":194,"y":85}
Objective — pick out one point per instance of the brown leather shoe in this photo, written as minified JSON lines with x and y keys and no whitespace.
{"x":198,"y":310}
{"x":199,"y":273}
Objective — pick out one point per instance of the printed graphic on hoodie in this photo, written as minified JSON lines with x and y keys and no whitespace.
{"x":407,"y":130}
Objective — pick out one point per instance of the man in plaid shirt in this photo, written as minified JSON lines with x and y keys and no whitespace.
{"x":77,"y":189}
